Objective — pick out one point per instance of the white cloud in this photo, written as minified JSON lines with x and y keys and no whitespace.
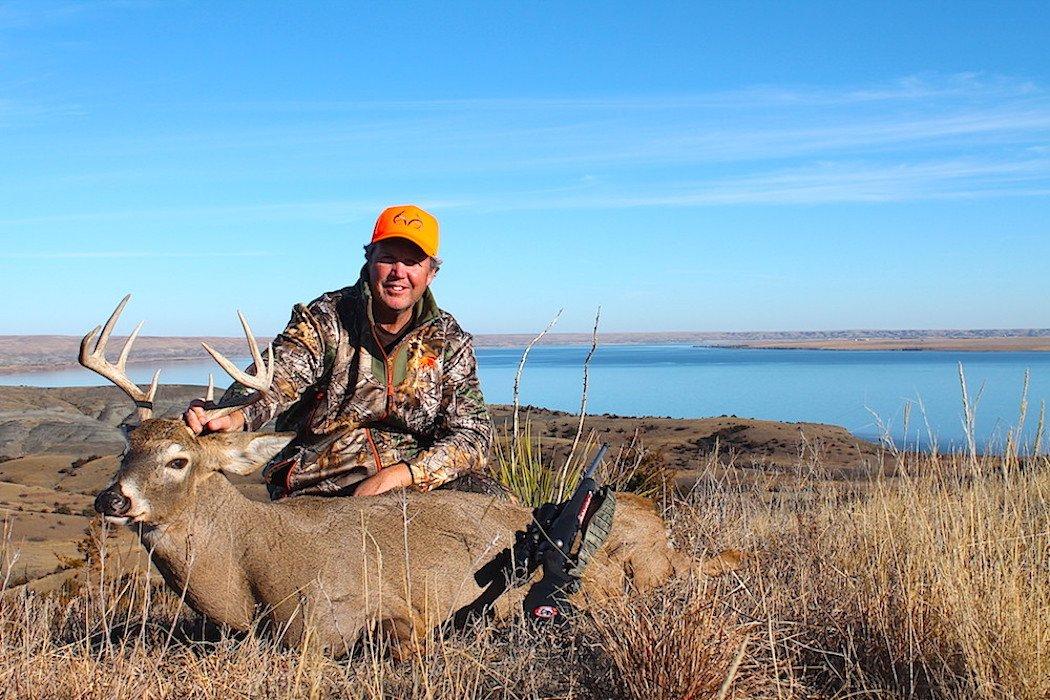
{"x":825,"y":183}
{"x":924,"y":87}
{"x":917,"y":138}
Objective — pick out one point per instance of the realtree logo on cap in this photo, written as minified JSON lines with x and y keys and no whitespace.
{"x":411,"y":223}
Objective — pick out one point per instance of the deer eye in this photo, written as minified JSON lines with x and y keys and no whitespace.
{"x":177,"y":463}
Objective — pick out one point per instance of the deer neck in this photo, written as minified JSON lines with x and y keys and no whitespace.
{"x":199,"y":551}
{"x":206,"y":534}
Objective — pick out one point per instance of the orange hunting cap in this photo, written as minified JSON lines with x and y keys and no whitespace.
{"x":411,"y":222}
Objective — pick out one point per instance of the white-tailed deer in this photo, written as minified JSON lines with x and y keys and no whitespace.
{"x":321,"y":571}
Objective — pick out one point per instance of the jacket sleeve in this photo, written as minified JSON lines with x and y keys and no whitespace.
{"x":298,"y":356}
{"x":465,"y":428}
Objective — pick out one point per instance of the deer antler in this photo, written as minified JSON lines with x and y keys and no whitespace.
{"x":260,"y":381}
{"x":95,"y":360}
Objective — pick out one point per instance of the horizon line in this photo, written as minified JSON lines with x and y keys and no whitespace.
{"x":1032,"y":331}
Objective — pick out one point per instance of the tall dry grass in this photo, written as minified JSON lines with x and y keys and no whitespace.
{"x":682,"y":641}
{"x":128,"y":638}
{"x":931,"y":585}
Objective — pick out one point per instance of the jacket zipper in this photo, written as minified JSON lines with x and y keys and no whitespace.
{"x":389,"y":375}
{"x":389,"y":383}
{"x":386,"y":362}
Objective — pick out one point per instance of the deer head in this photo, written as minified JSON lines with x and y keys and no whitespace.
{"x":164,"y":462}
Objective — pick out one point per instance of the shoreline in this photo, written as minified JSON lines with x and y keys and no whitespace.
{"x":37,"y":369}
{"x":997,"y":344}
{"x":552,"y":424}
{"x":30,"y":361}
{"x":83,"y":421}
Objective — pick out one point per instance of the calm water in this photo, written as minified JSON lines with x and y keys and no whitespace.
{"x":841,"y":387}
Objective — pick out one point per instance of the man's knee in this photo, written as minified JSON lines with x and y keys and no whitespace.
{"x":476,"y":482}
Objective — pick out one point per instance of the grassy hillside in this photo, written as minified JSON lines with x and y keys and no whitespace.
{"x":931,"y":583}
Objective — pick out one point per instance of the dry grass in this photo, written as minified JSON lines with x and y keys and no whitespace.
{"x":127,"y":638}
{"x":935,"y":584}
{"x":930,"y":585}
{"x":683,"y":641}
{"x":526,"y":467}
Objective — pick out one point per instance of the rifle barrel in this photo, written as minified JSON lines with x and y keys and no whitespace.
{"x":593,"y":466}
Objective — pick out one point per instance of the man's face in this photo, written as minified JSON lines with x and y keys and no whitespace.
{"x":399,"y":272}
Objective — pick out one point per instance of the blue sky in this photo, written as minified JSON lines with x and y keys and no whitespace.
{"x":693,"y":166}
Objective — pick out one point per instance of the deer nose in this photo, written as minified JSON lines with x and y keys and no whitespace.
{"x":112,"y":502}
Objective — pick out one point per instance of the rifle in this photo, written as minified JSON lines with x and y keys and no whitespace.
{"x":548,"y":541}
{"x":556,"y":537}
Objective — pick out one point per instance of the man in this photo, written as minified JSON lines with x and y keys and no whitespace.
{"x":379,"y":384}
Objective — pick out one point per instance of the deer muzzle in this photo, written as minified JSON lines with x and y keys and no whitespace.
{"x":112,"y":502}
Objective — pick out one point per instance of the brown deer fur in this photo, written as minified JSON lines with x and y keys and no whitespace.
{"x":322,"y":571}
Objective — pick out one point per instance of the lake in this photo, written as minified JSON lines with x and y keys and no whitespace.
{"x":848,"y":388}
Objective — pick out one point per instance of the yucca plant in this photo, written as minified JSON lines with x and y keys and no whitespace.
{"x":532,"y":476}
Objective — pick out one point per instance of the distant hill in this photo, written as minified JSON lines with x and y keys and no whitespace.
{"x":23,"y":353}
{"x":747,"y":338}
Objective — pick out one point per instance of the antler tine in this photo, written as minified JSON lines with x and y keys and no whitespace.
{"x":127,"y":346}
{"x":209,"y":396}
{"x":252,"y":345}
{"x":95,"y":360}
{"x":153,"y":386}
{"x":85,"y":343}
{"x":260,"y":381}
{"x":100,"y":346}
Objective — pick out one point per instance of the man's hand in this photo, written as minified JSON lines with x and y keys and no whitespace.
{"x":195,"y":419}
{"x":392,"y":477}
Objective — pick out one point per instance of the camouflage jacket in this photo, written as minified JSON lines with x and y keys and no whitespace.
{"x":357,"y":409}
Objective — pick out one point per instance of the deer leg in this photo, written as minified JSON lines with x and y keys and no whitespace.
{"x":403,"y":634}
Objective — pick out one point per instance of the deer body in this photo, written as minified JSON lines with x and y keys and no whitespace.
{"x":323,"y":570}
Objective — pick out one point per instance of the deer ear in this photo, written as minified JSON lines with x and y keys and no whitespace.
{"x":246,"y":452}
